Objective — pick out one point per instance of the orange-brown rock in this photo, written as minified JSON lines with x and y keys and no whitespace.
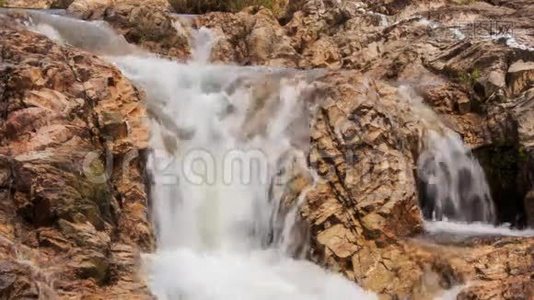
{"x":74,"y":213}
{"x":250,"y":37}
{"x":149,"y":24}
{"x":40,"y":4}
{"x":363,"y":216}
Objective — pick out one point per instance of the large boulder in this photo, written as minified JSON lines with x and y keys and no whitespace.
{"x":367,"y":200}
{"x":89,"y":9}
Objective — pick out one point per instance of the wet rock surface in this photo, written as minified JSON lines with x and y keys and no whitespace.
{"x":251,"y":37}
{"x":74,"y":201}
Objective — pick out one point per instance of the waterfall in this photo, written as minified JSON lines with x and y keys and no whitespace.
{"x":220,"y":137}
{"x":211,"y":189}
{"x":455,"y":186}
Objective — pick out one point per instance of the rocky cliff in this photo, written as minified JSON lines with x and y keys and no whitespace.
{"x":471,"y":62}
{"x":72,"y":185}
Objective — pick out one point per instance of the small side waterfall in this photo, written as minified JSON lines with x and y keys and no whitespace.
{"x":455,"y":186}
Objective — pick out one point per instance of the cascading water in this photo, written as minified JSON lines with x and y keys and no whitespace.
{"x":454,"y":186}
{"x":219,"y":135}
{"x":213,"y":220}
{"x":456,"y":198}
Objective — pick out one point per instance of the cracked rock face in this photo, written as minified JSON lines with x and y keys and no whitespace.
{"x":74,"y":201}
{"x":363,"y":215}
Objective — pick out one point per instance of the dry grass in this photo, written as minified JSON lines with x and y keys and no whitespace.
{"x":203,"y":6}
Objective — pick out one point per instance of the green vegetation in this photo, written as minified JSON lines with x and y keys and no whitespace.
{"x":469,"y":79}
{"x":2,"y":2}
{"x":203,"y":6}
{"x":523,"y":155}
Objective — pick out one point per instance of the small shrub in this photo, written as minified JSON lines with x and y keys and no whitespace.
{"x":469,"y":79}
{"x":195,"y":6}
{"x":60,"y":4}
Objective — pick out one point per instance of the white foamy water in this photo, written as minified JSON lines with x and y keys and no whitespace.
{"x":96,"y":36}
{"x":475,"y":229}
{"x":455,"y":186}
{"x":258,"y":275}
{"x":451,"y":294}
{"x":463,"y":30}
{"x":220,"y":135}
{"x":511,"y":41}
{"x":216,"y":239}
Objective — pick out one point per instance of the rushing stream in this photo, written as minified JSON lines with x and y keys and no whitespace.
{"x":219,"y":137}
